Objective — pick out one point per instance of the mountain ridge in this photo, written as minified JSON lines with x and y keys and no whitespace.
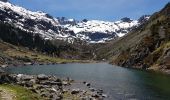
{"x":52,"y":28}
{"x":145,"y":48}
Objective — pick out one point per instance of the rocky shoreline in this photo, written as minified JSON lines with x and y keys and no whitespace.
{"x":54,"y":88}
{"x":44,"y":63}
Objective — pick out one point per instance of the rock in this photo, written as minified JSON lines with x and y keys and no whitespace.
{"x":42,"y":77}
{"x":55,"y":97}
{"x":39,"y":87}
{"x":4,"y":66}
{"x":64,"y":91}
{"x":2,"y":71}
{"x":26,"y":77}
{"x":53,"y":90}
{"x":51,"y":87}
{"x":6,"y":78}
{"x":28,"y":84}
{"x":95,"y":95}
{"x":87,"y":84}
{"x":33,"y":90}
{"x":45,"y":83}
{"x":75,"y":91}
{"x":92,"y":89}
{"x":58,"y":80}
{"x":86,"y":98}
{"x":104,"y":95}
{"x":45,"y":94}
{"x":84,"y":82}
{"x":65,"y":83}
{"x":59,"y":83}
{"x":33,"y":81}
{"x":100,"y":91}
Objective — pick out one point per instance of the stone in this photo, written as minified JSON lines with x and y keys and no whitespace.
{"x":53,"y":90}
{"x":99,"y":91}
{"x":95,"y":95}
{"x":4,"y":66}
{"x":65,"y":83}
{"x":42,"y":77}
{"x":45,"y":94}
{"x":75,"y":91}
{"x":59,"y":83}
{"x":26,"y":77}
{"x":58,"y":80}
{"x":92,"y":89}
{"x":2,"y":71}
{"x":55,"y":97}
{"x":33,"y":90}
{"x":28,"y":84}
{"x":38,"y":87}
{"x":104,"y":95}
{"x":87,"y":84}
{"x":33,"y":81}
{"x":84,"y":82}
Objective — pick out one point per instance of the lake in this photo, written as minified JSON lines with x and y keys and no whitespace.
{"x":117,"y":82}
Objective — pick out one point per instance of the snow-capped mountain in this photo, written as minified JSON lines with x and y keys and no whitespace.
{"x":48,"y":27}
{"x":98,"y":30}
{"x":35,"y":22}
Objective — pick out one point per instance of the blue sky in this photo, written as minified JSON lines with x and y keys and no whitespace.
{"x":94,"y":9}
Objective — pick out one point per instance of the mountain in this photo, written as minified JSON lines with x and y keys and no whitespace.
{"x":96,"y":31}
{"x":70,"y":30}
{"x":147,"y":47}
{"x":4,"y":0}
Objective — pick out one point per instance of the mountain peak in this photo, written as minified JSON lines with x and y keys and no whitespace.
{"x":166,"y":9}
{"x":143,"y":18}
{"x":126,"y":19}
{"x":4,"y":0}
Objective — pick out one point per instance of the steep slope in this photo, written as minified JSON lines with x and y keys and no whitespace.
{"x":22,"y":27}
{"x":36,"y":22}
{"x":146,"y":47}
{"x":12,"y":55}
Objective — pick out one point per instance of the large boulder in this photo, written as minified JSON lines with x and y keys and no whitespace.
{"x":42,"y":77}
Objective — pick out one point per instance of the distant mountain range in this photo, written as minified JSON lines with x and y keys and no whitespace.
{"x":50,"y":28}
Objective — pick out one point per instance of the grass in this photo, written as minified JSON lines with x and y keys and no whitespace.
{"x":27,"y":55}
{"x":69,"y":96}
{"x":20,"y":92}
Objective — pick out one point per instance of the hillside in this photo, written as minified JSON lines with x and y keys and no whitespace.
{"x":11,"y":55}
{"x":147,"y":47}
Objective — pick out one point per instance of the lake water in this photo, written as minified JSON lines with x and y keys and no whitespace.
{"x":117,"y":82}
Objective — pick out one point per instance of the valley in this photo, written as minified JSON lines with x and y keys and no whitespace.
{"x":121,"y":60}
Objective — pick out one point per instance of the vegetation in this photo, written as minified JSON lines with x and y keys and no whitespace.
{"x":34,"y":42}
{"x":11,"y":54}
{"x":145,"y":47}
{"x":20,"y":93}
